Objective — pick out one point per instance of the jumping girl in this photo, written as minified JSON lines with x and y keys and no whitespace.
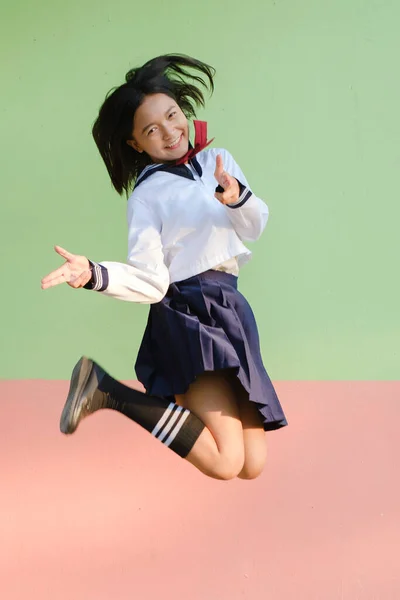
{"x":208,"y":396}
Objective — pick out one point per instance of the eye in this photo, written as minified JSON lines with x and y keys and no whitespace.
{"x":172,"y":114}
{"x":152,"y":130}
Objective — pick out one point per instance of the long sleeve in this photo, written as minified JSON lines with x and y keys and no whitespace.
{"x":249,"y":215}
{"x":145,"y":277}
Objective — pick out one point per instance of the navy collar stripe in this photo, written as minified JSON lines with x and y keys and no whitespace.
{"x":181,"y":170}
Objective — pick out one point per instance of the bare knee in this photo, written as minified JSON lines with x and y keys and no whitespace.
{"x":230,"y":467}
{"x":251,"y":473}
{"x":252,"y":468}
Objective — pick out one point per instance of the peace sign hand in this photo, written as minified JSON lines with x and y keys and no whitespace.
{"x":75,"y":271}
{"x":231,"y":192}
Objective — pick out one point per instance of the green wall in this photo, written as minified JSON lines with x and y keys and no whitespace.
{"x":307,"y":100}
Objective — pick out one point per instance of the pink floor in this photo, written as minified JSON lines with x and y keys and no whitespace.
{"x":111,"y":514}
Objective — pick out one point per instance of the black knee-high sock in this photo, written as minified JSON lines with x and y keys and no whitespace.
{"x":173,"y":425}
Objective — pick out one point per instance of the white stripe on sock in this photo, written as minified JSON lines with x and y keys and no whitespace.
{"x":177,"y":428}
{"x":163,"y":419}
{"x":170,"y":424}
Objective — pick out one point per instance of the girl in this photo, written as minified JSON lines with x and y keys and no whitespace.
{"x":208,"y":396}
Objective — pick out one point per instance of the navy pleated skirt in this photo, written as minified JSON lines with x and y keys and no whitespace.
{"x":205,"y":324}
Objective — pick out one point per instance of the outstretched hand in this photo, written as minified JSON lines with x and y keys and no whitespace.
{"x":75,"y":271}
{"x":231,"y":192}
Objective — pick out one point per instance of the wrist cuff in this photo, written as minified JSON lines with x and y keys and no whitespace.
{"x":99,"y":279}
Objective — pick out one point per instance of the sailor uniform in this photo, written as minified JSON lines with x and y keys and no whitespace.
{"x":185,"y":249}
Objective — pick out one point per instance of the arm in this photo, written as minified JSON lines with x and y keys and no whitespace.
{"x":247,"y":213}
{"x":145,"y":277}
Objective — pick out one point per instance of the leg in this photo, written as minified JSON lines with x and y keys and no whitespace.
{"x":214,"y":445}
{"x":255,"y":447}
{"x":219,"y":450}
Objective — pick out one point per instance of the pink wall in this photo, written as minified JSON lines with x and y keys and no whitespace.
{"x":110,"y":513}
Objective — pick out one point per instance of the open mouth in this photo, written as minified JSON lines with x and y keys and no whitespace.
{"x":175,"y":143}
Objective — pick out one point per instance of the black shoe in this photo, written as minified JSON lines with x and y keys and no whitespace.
{"x":84,"y":397}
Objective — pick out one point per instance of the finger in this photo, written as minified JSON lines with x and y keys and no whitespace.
{"x":64,"y":253}
{"x":60,"y":272}
{"x":223,"y":178}
{"x":225,"y":181}
{"x":81,"y":280}
{"x":229,"y":180}
{"x":219,"y":168}
{"x":231,"y":187}
{"x":226,"y":197}
{"x":222,"y":197}
{"x":53,"y":282}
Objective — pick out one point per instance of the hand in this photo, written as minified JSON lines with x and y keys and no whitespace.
{"x":75,"y":271}
{"x":231,"y":192}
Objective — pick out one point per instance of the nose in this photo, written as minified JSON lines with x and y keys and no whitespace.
{"x":168,"y":131}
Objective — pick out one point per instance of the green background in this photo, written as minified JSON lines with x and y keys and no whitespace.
{"x":307,"y":100}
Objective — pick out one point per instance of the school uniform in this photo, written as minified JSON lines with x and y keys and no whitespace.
{"x":185,"y":250}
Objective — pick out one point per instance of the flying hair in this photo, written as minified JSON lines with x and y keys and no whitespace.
{"x":176,"y":75}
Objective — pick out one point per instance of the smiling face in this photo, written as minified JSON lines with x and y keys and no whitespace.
{"x":160,"y":129}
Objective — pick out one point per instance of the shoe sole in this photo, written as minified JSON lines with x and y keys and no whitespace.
{"x":84,"y":381}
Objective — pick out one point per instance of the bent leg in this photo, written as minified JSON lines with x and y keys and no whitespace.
{"x":254,"y":438}
{"x":203,"y":426}
{"x":219,"y":450}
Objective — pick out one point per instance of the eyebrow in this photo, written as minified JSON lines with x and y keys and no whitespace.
{"x":166,"y":112}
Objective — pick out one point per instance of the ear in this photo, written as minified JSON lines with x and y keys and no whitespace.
{"x":133,"y":144}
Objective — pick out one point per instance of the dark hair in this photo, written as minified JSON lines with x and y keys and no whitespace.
{"x":113,"y":127}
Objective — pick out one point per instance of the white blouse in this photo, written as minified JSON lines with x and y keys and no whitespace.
{"x":177,"y":229}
